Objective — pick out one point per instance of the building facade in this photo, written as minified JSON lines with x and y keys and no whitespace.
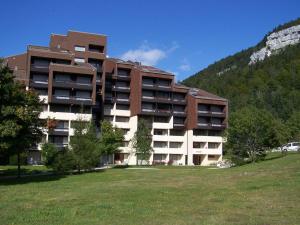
{"x":76,"y":80}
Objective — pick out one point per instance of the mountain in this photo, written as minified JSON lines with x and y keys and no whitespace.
{"x":265,"y":76}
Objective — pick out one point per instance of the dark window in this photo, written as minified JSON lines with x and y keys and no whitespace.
{"x":59,"y":108}
{"x":122,"y":107}
{"x":96,"y":48}
{"x":161,"y":119}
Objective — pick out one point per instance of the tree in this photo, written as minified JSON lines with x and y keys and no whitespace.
{"x":111,"y":138}
{"x":60,"y":161}
{"x":142,"y":141}
{"x":252,"y":132}
{"x":20,"y":128}
{"x":85,"y":146}
{"x":294,"y":125}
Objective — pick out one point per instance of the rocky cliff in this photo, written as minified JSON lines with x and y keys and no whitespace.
{"x":277,"y":41}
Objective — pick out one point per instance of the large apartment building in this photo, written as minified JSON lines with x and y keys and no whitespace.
{"x":76,"y":80}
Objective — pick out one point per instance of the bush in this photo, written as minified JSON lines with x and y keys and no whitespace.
{"x":13,"y":160}
{"x":60,"y":160}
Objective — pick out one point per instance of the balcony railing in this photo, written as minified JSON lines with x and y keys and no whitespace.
{"x":72,"y":100}
{"x":72,"y":84}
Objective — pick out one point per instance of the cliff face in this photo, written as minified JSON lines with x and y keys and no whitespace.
{"x":277,"y":41}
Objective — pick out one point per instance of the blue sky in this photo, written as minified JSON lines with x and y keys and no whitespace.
{"x":182,"y":37}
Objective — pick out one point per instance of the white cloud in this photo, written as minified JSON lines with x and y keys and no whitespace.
{"x":185,"y":66}
{"x":147,"y":55}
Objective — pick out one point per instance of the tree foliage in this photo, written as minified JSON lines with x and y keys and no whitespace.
{"x":252,"y":132}
{"x":84,"y":145}
{"x":142,"y":141}
{"x":111,"y":138}
{"x":20,"y":127}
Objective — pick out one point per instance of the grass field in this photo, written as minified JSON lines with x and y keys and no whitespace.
{"x":262,"y":193}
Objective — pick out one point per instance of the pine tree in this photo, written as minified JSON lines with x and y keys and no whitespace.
{"x":142,"y":141}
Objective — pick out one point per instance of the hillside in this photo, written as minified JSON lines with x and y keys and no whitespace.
{"x":273,"y":83}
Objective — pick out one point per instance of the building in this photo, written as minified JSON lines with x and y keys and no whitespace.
{"x":76,"y":80}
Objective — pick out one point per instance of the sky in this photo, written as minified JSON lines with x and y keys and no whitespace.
{"x":181,"y":37}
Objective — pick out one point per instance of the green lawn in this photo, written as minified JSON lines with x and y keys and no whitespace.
{"x":262,"y":193}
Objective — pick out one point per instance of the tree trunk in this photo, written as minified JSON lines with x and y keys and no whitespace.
{"x":19,"y":165}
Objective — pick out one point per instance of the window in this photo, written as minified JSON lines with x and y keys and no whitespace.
{"x":62,"y":125}
{"x":161,"y":119}
{"x":125,"y":144}
{"x":148,"y":94}
{"x":41,"y":91}
{"x":79,"y":48}
{"x":60,"y":141}
{"x":178,"y":97}
{"x":59,"y":108}
{"x":178,"y":108}
{"x":216,"y":121}
{"x":203,"y":108}
{"x":174,"y":132}
{"x":123,"y":73}
{"x":123,"y":96}
{"x":45,"y":108}
{"x":163,"y":83}
{"x":79,"y":123}
{"x":213,"y":145}
{"x":96,"y":63}
{"x":40,"y":62}
{"x":200,"y":132}
{"x":164,"y":95}
{"x":217,"y":109}
{"x":160,"y":144}
{"x":159,"y":157}
{"x":109,"y":118}
{"x":175,"y":144}
{"x":148,"y":81}
{"x":83,"y":80}
{"x":62,"y":77}
{"x":125,"y":131}
{"x":40,"y":78}
{"x":160,"y":132}
{"x":178,"y":120}
{"x":148,"y":107}
{"x":198,"y":144}
{"x":61,"y":93}
{"x":96,"y":48}
{"x":83,"y":95}
{"x":214,"y":133}
{"x":211,"y":157}
{"x":203,"y":120}
{"x":79,"y":60}
{"x":123,"y":119}
{"x":81,"y":109}
{"x":122,"y":107}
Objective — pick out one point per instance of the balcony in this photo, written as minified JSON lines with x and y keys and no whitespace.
{"x":121,"y":88}
{"x":122,"y":100}
{"x":72,"y":84}
{"x":212,"y":126}
{"x":39,"y":68}
{"x":59,"y":131}
{"x":211,"y":113}
{"x":148,"y":86}
{"x":39,"y":83}
{"x":179,"y":113}
{"x":71,"y":100}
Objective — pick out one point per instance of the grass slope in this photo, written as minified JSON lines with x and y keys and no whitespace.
{"x":262,"y":193}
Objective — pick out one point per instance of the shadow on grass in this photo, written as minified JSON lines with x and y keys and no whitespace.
{"x":13,"y":180}
{"x":277,"y":156}
{"x":37,"y":176}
